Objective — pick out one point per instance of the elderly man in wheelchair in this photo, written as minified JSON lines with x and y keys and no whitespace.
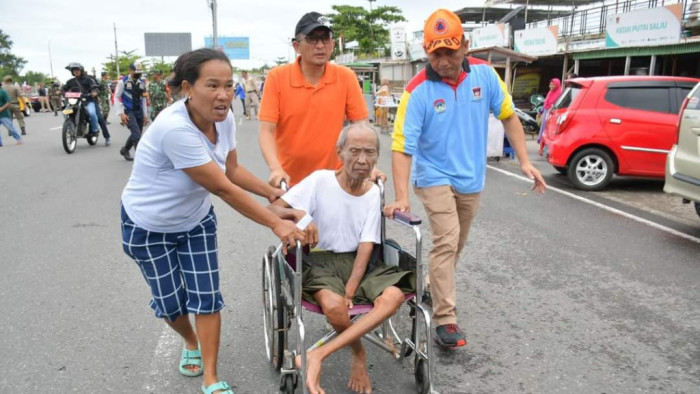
{"x":344,"y":205}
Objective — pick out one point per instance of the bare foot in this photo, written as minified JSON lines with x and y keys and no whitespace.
{"x":359,"y":378}
{"x":313,"y":372}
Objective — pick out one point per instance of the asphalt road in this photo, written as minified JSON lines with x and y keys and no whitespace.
{"x":557,"y":294}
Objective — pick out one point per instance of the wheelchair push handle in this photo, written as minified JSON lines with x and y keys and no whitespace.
{"x":407,"y":218}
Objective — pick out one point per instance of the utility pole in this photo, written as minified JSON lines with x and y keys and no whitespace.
{"x":116,"y":50}
{"x":212,"y":4}
{"x":371,"y":30}
{"x":50,"y":61}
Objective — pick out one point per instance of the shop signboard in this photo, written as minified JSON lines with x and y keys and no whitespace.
{"x":495,"y":35}
{"x":398,"y":34}
{"x":536,"y":42}
{"x":398,"y":51}
{"x":654,"y":26}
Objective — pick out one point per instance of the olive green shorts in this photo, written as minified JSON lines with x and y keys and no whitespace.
{"x":328,"y":270}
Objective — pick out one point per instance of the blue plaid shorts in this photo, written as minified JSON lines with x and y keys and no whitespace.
{"x":182,"y":269}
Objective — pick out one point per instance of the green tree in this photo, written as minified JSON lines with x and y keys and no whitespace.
{"x":9,"y":63}
{"x":125,"y":59}
{"x":33,"y":77}
{"x":368,"y":28}
{"x":163,"y":67}
{"x":281,"y":60}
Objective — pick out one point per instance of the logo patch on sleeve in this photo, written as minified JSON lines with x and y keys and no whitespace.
{"x":439,"y":105}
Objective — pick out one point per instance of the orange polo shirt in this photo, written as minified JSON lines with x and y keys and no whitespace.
{"x":309,"y":118}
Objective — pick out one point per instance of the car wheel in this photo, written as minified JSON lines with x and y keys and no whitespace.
{"x":697,"y":208}
{"x":591,"y":169}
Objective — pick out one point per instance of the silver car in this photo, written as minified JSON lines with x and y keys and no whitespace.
{"x":683,"y":162}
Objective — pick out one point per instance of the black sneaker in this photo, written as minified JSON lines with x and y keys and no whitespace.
{"x":124,"y":152}
{"x":450,"y":336}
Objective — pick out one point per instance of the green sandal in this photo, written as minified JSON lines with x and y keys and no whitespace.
{"x":191,"y":357}
{"x":223,"y":386}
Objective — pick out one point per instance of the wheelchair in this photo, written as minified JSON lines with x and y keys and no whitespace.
{"x":283,"y":311}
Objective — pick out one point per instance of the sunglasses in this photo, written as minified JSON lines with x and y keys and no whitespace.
{"x":314,"y":39}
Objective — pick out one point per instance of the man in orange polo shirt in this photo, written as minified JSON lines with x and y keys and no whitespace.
{"x":304,"y":105}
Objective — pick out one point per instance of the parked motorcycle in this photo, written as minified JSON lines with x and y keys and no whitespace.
{"x":76,"y":124}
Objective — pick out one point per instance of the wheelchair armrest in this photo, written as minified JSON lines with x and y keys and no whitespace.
{"x":407,"y":218}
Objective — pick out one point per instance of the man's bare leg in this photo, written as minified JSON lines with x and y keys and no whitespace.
{"x":384,"y":306}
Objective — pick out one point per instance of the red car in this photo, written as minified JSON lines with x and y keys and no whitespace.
{"x":623,"y":125}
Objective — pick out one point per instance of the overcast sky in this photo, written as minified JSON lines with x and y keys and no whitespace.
{"x":82,"y":31}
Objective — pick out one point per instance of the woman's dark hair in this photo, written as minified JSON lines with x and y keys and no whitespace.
{"x":187,"y":66}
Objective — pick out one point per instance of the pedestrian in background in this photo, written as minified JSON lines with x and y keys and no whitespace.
{"x":5,"y":117}
{"x":131,"y":106}
{"x":305,"y":104}
{"x":105,"y":96}
{"x":252,"y":98}
{"x":440,"y":138}
{"x":382,"y":112}
{"x":55,"y":95}
{"x":239,"y":92}
{"x":552,"y":97}
{"x":15,"y":95}
{"x":43,"y":97}
{"x":159,"y":96}
{"x":168,"y":223}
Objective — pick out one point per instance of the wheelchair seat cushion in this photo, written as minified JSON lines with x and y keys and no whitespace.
{"x":328,"y":270}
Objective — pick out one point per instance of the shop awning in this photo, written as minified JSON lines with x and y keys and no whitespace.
{"x":672,"y":49}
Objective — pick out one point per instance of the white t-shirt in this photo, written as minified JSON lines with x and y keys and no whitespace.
{"x":160,"y":196}
{"x":343,"y":220}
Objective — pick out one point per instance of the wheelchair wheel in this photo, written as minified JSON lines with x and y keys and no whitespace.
{"x":421,"y":375}
{"x":288,"y":384}
{"x":274,"y":312}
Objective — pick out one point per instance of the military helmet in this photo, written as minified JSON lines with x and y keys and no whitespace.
{"x":73,"y":65}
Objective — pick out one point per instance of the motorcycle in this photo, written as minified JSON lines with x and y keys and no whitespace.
{"x":75,"y":124}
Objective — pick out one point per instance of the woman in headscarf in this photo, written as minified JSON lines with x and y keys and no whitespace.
{"x":552,"y":97}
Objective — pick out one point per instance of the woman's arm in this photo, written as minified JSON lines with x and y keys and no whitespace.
{"x":240,"y":176}
{"x":210,"y":177}
{"x":364,"y":252}
{"x":285,"y":211}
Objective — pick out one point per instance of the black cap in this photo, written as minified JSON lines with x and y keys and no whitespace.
{"x":311,"y":21}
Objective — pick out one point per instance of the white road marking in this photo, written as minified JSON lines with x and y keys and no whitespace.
{"x":605,"y":207}
{"x":164,"y":358}
{"x":56,"y":128}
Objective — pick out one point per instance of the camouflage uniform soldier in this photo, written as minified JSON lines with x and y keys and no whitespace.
{"x":55,"y":94}
{"x":158,"y":94}
{"x":105,"y":96}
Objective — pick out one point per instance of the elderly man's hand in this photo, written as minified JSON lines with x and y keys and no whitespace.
{"x":311,"y":234}
{"x":540,"y":186}
{"x":377,"y":173}
{"x":401,"y":205}
{"x":124,"y":119}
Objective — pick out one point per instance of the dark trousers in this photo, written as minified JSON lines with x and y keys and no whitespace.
{"x":243,"y":102}
{"x":135,"y":125}
{"x":101,"y":122}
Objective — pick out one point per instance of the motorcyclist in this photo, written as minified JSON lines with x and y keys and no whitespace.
{"x":87,"y":85}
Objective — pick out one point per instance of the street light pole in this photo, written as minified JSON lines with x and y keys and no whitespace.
{"x":371,"y":30}
{"x":50,"y":61}
{"x":212,"y":4}
{"x":116,"y":50}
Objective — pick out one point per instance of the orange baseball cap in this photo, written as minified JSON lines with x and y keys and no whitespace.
{"x":443,"y":29}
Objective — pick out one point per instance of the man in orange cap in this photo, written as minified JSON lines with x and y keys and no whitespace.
{"x":441,"y":129}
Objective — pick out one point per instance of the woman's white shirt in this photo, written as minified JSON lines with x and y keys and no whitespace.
{"x":159,"y":195}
